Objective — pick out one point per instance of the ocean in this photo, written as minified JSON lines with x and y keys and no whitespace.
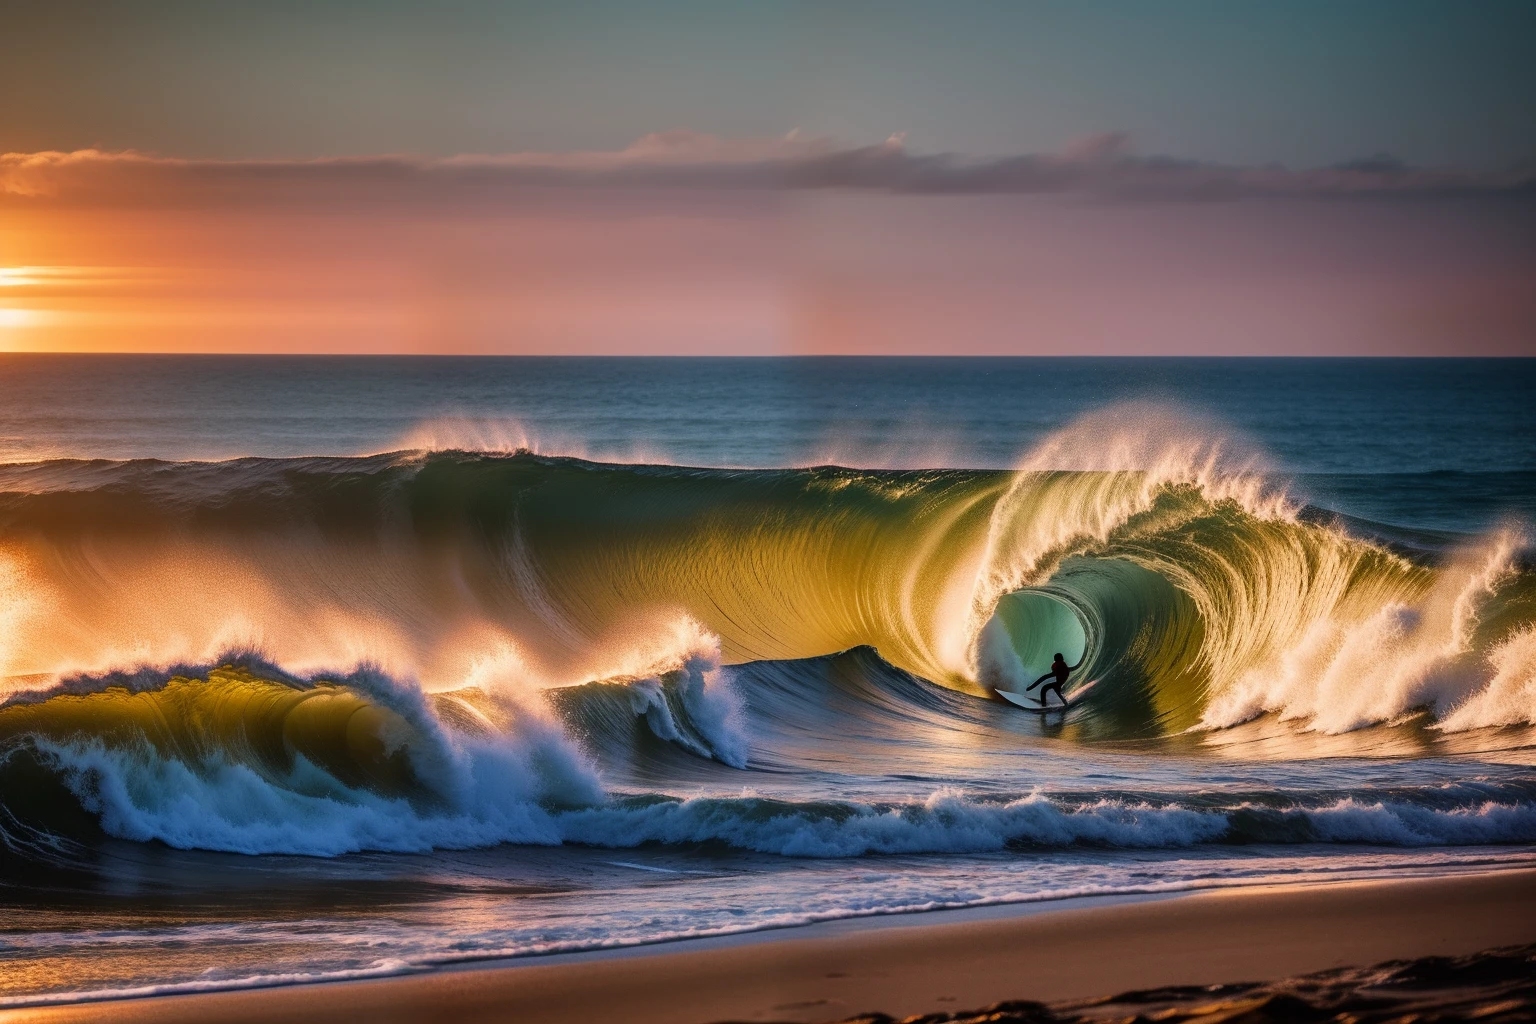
{"x":338,"y":667}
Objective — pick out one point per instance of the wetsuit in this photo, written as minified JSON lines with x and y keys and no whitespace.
{"x":1060,"y":670}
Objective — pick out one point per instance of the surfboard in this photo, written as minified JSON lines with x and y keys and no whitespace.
{"x":1028,"y":702}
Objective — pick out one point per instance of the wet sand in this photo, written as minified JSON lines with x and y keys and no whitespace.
{"x":913,"y":963}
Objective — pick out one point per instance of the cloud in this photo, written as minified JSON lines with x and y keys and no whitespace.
{"x":1103,"y":165}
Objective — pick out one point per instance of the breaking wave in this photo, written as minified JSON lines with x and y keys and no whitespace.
{"x":519,"y":623}
{"x":234,"y":762}
{"x":1161,"y":555}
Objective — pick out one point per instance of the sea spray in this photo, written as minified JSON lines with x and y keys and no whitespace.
{"x":224,"y":759}
{"x":1359,"y":665}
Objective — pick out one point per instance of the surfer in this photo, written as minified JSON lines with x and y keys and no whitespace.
{"x":1059,"y":672}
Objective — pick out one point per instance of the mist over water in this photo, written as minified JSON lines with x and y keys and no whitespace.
{"x":510,"y":637}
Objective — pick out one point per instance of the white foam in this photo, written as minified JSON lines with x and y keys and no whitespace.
{"x":1509,"y":697}
{"x":528,"y":786}
{"x":1351,"y":668}
{"x":217,"y":805}
{"x":506,"y":435}
{"x":948,"y":821}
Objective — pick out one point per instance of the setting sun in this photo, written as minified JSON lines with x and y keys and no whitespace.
{"x":12,"y":277}
{"x":11,"y":317}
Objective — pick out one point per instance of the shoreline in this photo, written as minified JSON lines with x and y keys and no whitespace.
{"x":923,"y":962}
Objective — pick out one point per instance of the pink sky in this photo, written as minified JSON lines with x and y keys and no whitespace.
{"x":689,"y":245}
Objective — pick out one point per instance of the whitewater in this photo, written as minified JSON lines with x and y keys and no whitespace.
{"x":343,"y":667}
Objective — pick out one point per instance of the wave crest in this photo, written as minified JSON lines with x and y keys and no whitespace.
{"x":1199,"y":591}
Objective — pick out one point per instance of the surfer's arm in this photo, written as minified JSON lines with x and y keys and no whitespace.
{"x":1037,"y":682}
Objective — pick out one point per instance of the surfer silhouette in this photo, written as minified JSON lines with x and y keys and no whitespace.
{"x":1059,"y":672}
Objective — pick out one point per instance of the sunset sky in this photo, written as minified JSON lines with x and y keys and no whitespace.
{"x":1029,"y":178}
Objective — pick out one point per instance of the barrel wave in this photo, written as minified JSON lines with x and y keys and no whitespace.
{"x":429,"y":649}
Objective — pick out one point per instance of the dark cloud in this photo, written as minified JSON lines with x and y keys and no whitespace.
{"x":1102,"y":165}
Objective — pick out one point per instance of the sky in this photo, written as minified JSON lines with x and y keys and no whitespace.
{"x":733,"y":178}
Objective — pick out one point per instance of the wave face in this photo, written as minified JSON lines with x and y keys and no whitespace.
{"x":1192,"y":587}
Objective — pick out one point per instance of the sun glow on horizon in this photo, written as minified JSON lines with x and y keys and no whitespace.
{"x":679,"y":272}
{"x":14,"y":317}
{"x":34,"y":276}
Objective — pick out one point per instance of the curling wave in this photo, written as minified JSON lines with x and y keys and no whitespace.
{"x":1146,"y":547}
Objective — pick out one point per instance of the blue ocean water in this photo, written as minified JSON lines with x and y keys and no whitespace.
{"x":1310,"y":415}
{"x":329,"y":667}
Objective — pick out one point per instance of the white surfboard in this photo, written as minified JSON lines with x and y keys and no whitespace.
{"x":1029,"y":702}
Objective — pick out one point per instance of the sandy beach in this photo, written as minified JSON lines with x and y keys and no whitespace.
{"x":914,"y":963}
